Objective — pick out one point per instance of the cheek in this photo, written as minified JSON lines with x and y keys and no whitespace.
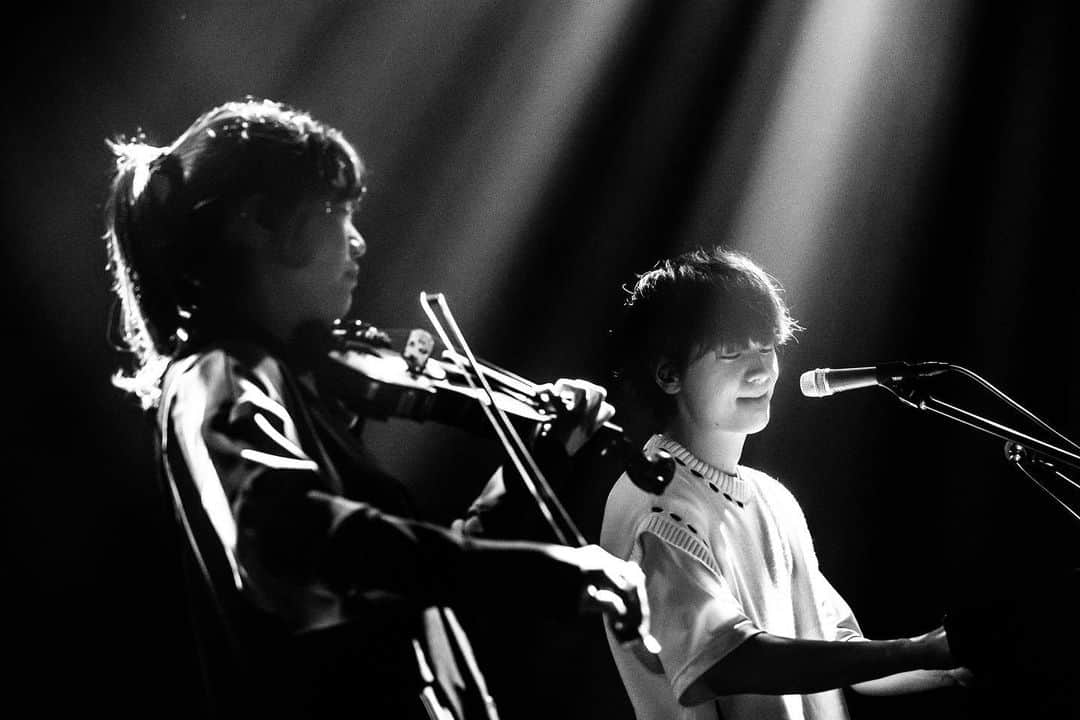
{"x":727,"y":382}
{"x":302,"y":244}
{"x":324,"y":241}
{"x":696,"y":384}
{"x":706,"y":394}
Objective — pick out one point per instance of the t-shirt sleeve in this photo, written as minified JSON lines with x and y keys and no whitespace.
{"x":837,"y":618}
{"x":694,"y":614}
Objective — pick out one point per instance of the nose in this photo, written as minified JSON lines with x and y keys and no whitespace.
{"x":762,"y":369}
{"x":357,"y":246}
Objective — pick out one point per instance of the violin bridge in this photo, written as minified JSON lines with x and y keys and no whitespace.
{"x":417,"y":350}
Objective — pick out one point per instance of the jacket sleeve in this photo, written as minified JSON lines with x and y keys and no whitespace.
{"x":297,"y":546}
{"x":507,"y":509}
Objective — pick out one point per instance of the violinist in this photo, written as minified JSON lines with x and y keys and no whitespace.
{"x":748,"y":625}
{"x":317,"y":591}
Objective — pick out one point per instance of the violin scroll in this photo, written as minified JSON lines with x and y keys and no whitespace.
{"x":653,"y":472}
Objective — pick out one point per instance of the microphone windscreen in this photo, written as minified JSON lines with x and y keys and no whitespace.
{"x":810,"y":386}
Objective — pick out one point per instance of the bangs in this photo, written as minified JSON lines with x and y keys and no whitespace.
{"x":339,"y":173}
{"x":739,"y":316}
{"x":263,"y":146}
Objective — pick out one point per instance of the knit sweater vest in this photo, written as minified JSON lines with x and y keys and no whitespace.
{"x":740,"y":561}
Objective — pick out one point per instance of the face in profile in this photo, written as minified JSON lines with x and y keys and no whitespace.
{"x":325,"y":247}
{"x":729,"y":388}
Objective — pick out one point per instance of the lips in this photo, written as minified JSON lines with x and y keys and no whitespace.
{"x":752,"y":398}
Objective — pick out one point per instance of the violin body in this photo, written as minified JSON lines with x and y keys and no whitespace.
{"x":374,"y":380}
{"x":371,"y":378}
{"x":380,"y":383}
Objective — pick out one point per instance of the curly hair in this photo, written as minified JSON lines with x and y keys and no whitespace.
{"x":167,"y":207}
{"x":686,"y":305}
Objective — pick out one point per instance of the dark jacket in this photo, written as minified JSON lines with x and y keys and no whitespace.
{"x":317,"y":593}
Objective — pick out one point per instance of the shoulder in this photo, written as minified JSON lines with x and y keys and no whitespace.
{"x":772,"y":490}
{"x":225,"y":364}
{"x":222,"y":375}
{"x":779,"y":499}
{"x":627,"y":498}
{"x":629,"y":508}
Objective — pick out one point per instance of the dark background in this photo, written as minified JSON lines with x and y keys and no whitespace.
{"x":906,"y":169}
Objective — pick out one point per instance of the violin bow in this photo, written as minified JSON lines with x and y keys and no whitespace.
{"x":550,"y":507}
{"x":644,"y":645}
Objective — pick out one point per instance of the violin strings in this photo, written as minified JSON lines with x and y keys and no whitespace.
{"x":532,"y":477}
{"x":502,"y":430}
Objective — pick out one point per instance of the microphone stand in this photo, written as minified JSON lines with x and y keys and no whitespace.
{"x":991,"y":635}
{"x":1028,"y":454}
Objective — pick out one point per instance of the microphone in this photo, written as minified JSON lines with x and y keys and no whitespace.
{"x":826,"y":381}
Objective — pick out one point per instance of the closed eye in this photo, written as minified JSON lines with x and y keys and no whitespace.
{"x":343,"y":208}
{"x":725,"y":354}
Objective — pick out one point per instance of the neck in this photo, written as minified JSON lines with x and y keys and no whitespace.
{"x":270,"y":308}
{"x":248,"y":313}
{"x":719,"y":448}
{"x":278,"y":324}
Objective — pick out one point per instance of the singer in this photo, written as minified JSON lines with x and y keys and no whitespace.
{"x":317,"y":593}
{"x":750,"y":627}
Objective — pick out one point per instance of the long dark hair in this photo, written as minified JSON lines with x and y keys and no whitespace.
{"x":167,"y":207}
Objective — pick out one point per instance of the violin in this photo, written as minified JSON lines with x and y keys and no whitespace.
{"x":367,"y":374}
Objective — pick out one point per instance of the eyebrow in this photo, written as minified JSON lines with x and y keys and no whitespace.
{"x":749,"y":344}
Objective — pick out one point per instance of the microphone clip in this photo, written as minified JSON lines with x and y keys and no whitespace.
{"x":903,"y":379}
{"x":909,"y":390}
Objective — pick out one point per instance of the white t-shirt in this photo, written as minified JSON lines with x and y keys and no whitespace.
{"x":725,"y":557}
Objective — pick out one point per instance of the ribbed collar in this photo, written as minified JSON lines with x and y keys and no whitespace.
{"x":732,"y":485}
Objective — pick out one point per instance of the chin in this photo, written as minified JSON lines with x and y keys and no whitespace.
{"x":344,"y":307}
{"x":756,"y":424}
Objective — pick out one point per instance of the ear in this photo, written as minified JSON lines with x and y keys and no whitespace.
{"x":666,"y":377}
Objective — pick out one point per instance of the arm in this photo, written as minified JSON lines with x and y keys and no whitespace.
{"x":711,"y":648}
{"x":296,"y":540}
{"x":505,"y":508}
{"x":774,"y":665}
{"x":915,"y":681}
{"x":296,"y":545}
{"x":840,"y":624}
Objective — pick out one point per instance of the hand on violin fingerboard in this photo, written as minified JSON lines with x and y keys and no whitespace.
{"x":582,"y":410}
